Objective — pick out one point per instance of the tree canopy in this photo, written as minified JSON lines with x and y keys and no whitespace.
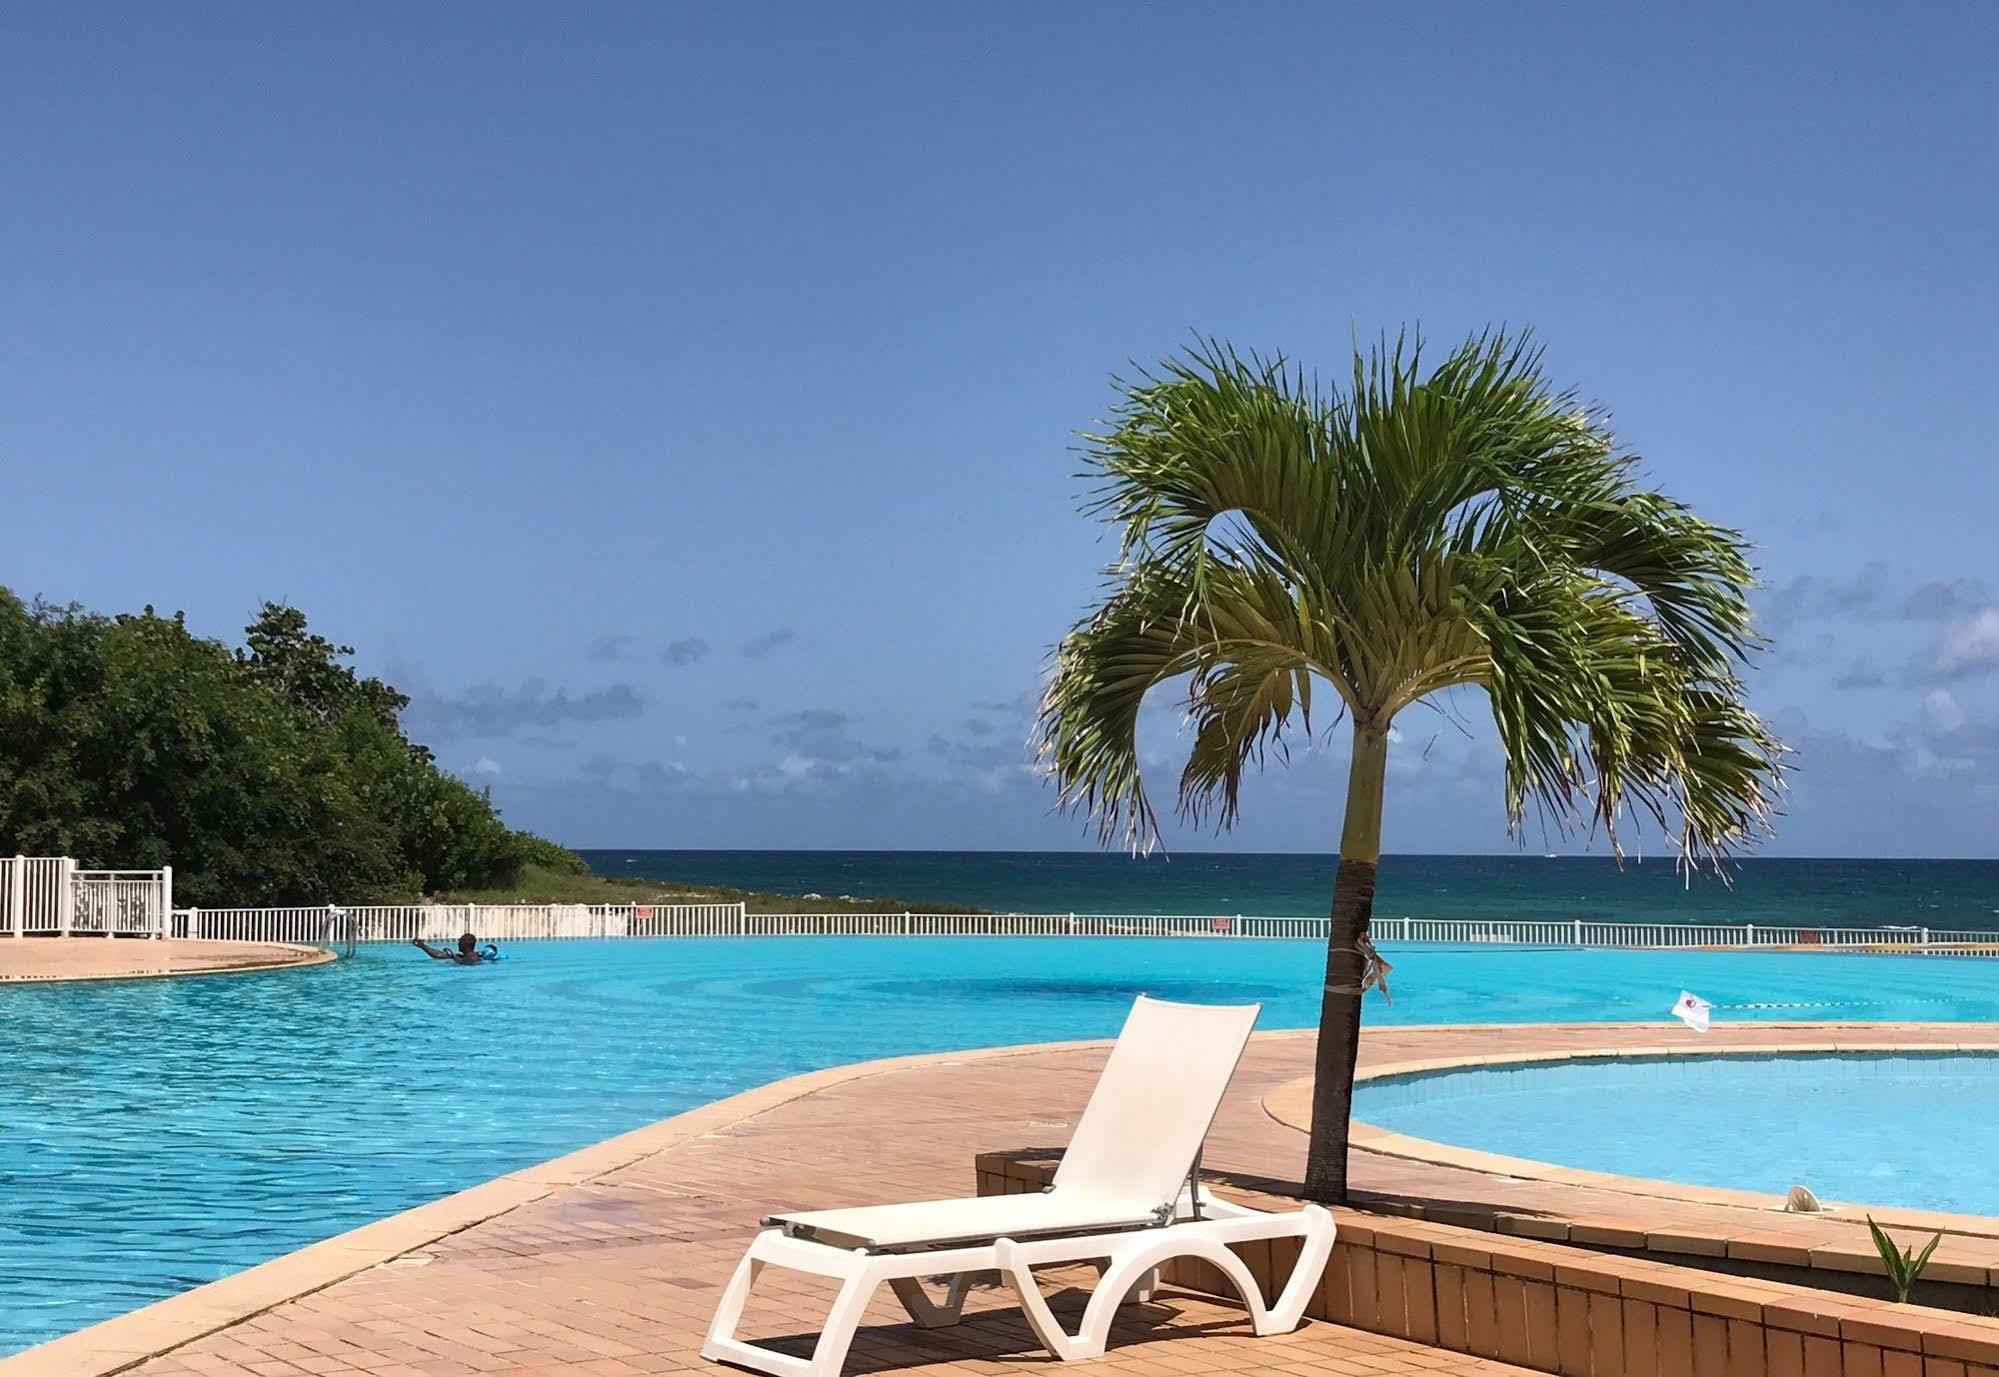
{"x":269,"y":774}
{"x":1424,"y":530}
{"x":1467,"y":526}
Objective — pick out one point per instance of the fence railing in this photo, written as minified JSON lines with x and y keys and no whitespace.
{"x":1682,"y":936}
{"x":336,"y":926}
{"x":121,"y":903}
{"x":48,"y":896}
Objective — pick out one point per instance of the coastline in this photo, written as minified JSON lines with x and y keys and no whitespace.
{"x":540,"y":885}
{"x":1778,"y":892}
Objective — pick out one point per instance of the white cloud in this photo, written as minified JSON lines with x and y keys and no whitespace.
{"x":1941,"y":711}
{"x":1970,"y":645}
{"x":487,"y":766}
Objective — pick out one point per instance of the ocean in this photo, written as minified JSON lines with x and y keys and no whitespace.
{"x":1818,"y":893}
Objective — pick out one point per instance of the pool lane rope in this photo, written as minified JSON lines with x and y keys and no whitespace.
{"x":1840,"y":1003}
{"x":1694,"y":1011}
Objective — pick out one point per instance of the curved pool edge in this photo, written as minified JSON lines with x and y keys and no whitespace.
{"x":1290,"y":1104}
{"x":124,"y":1341}
{"x":84,"y":960}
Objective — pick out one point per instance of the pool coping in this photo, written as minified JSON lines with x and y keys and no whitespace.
{"x":297,"y":957}
{"x":137,"y":1336}
{"x":125,"y":1341}
{"x":1290,"y":1104}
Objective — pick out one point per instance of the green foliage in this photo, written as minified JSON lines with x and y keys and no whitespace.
{"x":548,"y":857}
{"x":559,"y":883}
{"x":1904,"y":1266}
{"x":1419,"y":531}
{"x":269,"y":775}
{"x":280,"y":652}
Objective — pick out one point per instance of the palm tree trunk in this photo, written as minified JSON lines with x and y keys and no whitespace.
{"x":1339,"y":1005}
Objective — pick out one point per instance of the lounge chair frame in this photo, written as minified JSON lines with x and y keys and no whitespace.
{"x":1192,"y":1223}
{"x":1128,"y":1261}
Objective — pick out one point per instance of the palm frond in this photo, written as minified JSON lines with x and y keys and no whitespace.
{"x":1425,"y":528}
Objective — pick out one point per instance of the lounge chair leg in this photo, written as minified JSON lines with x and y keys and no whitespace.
{"x":1135,"y":1276}
{"x":830,"y":1353}
{"x":1057,"y":1340}
{"x":1315,"y":1246}
{"x":729,"y":1314}
{"x":857,"y":1287}
{"x":932,"y":1314}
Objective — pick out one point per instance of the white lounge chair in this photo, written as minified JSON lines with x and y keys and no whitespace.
{"x":1127,"y":1198}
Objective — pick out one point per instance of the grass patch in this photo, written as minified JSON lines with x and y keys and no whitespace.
{"x":545,"y":885}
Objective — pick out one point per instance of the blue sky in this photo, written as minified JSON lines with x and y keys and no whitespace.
{"x":677,"y":400}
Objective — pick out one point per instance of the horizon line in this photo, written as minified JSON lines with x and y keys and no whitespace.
{"x":1162,"y":854}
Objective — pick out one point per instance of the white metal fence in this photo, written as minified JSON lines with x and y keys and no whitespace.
{"x":1581,"y":933}
{"x":122,"y":903}
{"x":513,"y":922}
{"x":50,"y":896}
{"x":336,"y":926}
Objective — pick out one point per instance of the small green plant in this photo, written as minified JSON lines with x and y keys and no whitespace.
{"x":1904,"y":1266}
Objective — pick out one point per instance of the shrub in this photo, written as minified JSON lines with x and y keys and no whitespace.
{"x":274,"y":774}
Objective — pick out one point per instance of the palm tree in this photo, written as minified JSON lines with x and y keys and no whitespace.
{"x":1469,"y":528}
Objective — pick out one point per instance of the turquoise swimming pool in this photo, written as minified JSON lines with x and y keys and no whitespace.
{"x":1871,"y":1128}
{"x":158,"y":1134}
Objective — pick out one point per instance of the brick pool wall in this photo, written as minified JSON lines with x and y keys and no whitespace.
{"x":1562,"y":1309}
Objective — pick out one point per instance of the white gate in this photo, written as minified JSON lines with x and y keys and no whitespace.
{"x":121,"y":903}
{"x":47,"y":896}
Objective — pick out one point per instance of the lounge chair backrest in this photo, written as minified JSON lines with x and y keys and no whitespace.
{"x":1154,"y":1101}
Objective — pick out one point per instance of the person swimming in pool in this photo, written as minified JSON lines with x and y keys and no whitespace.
{"x":467,"y":954}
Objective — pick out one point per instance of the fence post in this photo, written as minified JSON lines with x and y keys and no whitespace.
{"x":1749,"y":928}
{"x":166,"y":895}
{"x":194,"y":924}
{"x":17,"y":885}
{"x":66,"y":899}
{"x":1579,"y":932}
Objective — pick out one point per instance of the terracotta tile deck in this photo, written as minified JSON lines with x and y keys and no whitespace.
{"x":616,"y":1272}
{"x":618,"y":1275}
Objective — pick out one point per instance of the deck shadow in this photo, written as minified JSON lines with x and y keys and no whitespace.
{"x":1002,"y":1333}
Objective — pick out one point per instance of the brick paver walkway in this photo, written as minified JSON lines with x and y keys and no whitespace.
{"x":618,"y":1273}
